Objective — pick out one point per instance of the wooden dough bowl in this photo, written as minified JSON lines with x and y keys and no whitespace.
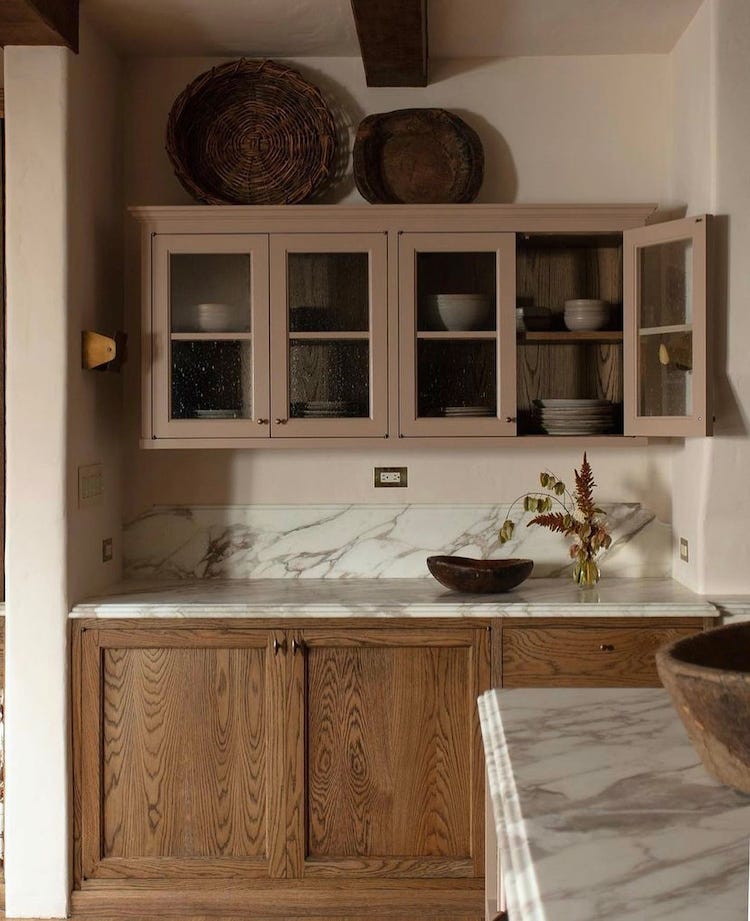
{"x":708,"y":678}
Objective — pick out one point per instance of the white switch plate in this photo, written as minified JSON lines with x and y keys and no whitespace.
{"x":90,"y":485}
{"x":684,"y":550}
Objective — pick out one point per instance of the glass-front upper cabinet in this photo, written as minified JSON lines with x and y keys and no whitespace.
{"x":457,"y":334}
{"x":210,"y":336}
{"x":328,"y":335}
{"x":667,"y":341}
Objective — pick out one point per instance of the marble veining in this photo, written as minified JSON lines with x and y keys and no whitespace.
{"x":366,"y":541}
{"x":392,"y":598}
{"x":603,"y":810}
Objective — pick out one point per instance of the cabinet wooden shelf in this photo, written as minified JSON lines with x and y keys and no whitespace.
{"x":563,"y":336}
{"x":343,"y":308}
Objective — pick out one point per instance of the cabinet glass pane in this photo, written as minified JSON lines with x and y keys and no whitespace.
{"x":328,"y":292}
{"x":666,"y":272}
{"x":329,"y":379}
{"x":456,"y":291}
{"x":211,"y":380}
{"x":457,"y":378}
{"x":666,"y":376}
{"x":209,"y":292}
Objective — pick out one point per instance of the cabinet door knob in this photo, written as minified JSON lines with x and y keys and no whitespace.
{"x":297,"y":646}
{"x":280,"y":421}
{"x":510,"y":418}
{"x":262,"y":421}
{"x":607,"y":647}
{"x":278,"y":645}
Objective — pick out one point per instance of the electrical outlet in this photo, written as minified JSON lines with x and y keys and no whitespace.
{"x":684,"y":550}
{"x":390,"y":476}
{"x":107,"y":551}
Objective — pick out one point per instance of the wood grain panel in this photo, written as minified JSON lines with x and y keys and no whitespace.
{"x":393,"y":41}
{"x":184,"y":752}
{"x":400,"y":903}
{"x":568,"y":370}
{"x":602,"y":656}
{"x":389,"y":742}
{"x":552,"y":269}
{"x":39,"y":22}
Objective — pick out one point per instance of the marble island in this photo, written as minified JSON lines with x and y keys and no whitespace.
{"x":272,"y":598}
{"x":603,"y":810}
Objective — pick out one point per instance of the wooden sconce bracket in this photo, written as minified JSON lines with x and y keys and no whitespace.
{"x":103,"y":353}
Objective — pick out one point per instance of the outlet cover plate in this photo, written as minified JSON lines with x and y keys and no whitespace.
{"x":391,"y":476}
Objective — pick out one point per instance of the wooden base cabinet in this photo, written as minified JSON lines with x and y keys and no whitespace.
{"x":340,"y":765}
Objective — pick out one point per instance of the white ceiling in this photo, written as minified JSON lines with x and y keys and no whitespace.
{"x":458,"y":28}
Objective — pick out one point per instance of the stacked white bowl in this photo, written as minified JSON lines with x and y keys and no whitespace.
{"x":586,"y":314}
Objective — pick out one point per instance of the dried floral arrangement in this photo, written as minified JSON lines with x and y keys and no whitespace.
{"x":578,"y":517}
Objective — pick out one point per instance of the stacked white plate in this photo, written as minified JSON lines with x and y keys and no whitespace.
{"x":460,"y":311}
{"x":575,"y":417}
{"x":216,"y":414}
{"x":454,"y":411}
{"x":586,"y":314}
{"x":327,"y":409}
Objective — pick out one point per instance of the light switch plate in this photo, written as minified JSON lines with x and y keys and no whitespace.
{"x":684,"y":550}
{"x":90,"y":485}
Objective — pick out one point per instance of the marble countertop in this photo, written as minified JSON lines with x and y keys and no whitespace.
{"x":391,"y":598}
{"x":604,"y":811}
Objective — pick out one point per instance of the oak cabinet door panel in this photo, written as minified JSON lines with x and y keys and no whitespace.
{"x":179,"y":730}
{"x":387,"y":748}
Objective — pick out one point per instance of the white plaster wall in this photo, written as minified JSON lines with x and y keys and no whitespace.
{"x":95,"y":223}
{"x":693,"y":185}
{"x":711,"y":79}
{"x":575,"y":129}
{"x":64,"y":253}
{"x":36,"y":812}
{"x":727,"y":547}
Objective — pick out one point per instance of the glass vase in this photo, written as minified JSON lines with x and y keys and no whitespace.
{"x":586,"y":572}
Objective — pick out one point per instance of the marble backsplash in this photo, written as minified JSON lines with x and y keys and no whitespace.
{"x":367,"y":541}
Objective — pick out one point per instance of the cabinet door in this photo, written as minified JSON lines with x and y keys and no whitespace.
{"x":386,"y":765}
{"x":209,"y":336}
{"x":457,"y":337}
{"x":667,"y":345}
{"x":180,"y":764}
{"x":328,"y":335}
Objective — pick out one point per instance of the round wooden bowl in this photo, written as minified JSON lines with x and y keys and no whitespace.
{"x":413,"y":156}
{"x":462,"y":574}
{"x":708,"y":679}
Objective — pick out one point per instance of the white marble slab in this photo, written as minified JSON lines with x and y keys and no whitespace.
{"x":736,"y":607}
{"x":367,"y":541}
{"x":393,"y":598}
{"x":604,"y":812}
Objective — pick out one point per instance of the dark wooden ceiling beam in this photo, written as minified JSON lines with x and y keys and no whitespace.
{"x":393,"y":40}
{"x":39,"y":22}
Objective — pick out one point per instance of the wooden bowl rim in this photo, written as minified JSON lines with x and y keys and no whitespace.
{"x":466,"y":562}
{"x":668,"y":656}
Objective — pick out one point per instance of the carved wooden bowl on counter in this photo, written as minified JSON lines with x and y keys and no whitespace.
{"x":708,"y":678}
{"x":462,"y":574}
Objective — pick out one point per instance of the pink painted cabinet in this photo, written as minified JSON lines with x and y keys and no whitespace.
{"x":251,"y":337}
{"x":317,"y":325}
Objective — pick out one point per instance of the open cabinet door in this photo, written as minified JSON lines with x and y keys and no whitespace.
{"x":666,"y":347}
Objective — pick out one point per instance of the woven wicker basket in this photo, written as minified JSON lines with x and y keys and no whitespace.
{"x":251,"y":133}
